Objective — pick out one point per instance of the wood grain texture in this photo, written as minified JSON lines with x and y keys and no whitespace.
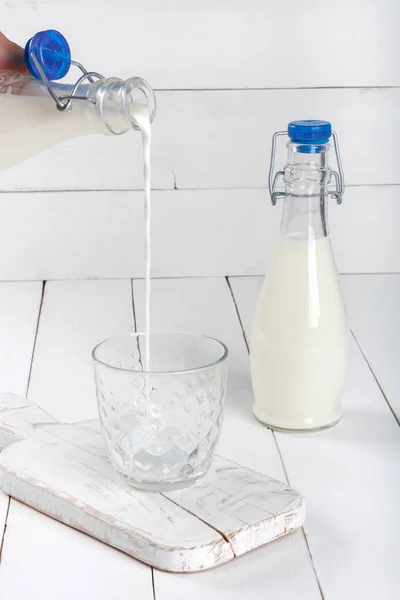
{"x":85,"y":492}
{"x":80,"y":235}
{"x":65,"y":473}
{"x":75,"y":317}
{"x":222,"y":139}
{"x":222,"y":44}
{"x":373,"y":305}
{"x":248,"y":508}
{"x":281,"y":570}
{"x":334,"y":468}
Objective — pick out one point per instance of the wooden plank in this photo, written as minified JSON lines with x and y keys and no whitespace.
{"x":205,"y":306}
{"x":373,"y":305}
{"x":86,"y":493}
{"x":76,"y":315}
{"x":81,"y":235}
{"x":248,"y":508}
{"x":344,"y":473}
{"x":222,"y":139}
{"x":231,"y":511}
{"x":19,"y":310}
{"x":57,"y":561}
{"x":60,"y":562}
{"x":223,"y":44}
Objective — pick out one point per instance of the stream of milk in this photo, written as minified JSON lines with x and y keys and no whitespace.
{"x":141,"y":115}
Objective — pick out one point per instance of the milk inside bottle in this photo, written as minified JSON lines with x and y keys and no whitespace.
{"x":299,"y":343}
{"x":37,"y":112}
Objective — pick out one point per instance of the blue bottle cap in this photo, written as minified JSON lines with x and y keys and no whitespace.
{"x":52,"y":51}
{"x":310,"y":132}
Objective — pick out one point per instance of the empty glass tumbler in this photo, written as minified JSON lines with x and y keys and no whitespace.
{"x":161,"y":426}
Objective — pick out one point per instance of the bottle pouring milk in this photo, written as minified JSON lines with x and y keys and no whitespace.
{"x":300,"y":335}
{"x":36,"y":113}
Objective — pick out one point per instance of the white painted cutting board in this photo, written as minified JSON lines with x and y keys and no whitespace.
{"x":63,"y":471}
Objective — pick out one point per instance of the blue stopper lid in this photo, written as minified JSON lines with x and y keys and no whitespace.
{"x":310,"y":132}
{"x":52,"y":51}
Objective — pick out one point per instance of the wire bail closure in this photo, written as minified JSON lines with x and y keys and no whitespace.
{"x":64,"y":102}
{"x":273,"y":180}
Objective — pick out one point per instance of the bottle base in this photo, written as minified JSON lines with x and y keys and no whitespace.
{"x":268,"y":423}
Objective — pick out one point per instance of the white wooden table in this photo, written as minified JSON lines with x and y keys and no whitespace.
{"x":350,"y":546}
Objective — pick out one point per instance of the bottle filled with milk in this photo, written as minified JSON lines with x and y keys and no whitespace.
{"x":37,"y":112}
{"x":299,"y":343}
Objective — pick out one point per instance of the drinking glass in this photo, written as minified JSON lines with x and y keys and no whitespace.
{"x":161,"y":424}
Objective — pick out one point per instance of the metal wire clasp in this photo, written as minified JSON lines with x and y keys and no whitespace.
{"x":336,"y":193}
{"x":64,"y":102}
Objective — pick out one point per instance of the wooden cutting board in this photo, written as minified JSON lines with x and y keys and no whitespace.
{"x":63,"y":470}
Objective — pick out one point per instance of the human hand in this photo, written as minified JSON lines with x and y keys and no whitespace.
{"x":11,"y":56}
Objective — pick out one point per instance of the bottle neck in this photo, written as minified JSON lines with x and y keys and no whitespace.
{"x":110,"y":104}
{"x":116,"y":102}
{"x":306,"y":176}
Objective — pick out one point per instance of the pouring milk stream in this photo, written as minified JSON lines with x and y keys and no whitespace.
{"x":142,"y":117}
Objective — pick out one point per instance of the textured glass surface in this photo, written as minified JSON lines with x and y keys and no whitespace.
{"x":161,"y":426}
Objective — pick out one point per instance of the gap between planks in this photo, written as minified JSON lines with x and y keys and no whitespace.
{"x":277,"y":89}
{"x":36,"y":336}
{"x":274,"y":437}
{"x":3,"y":537}
{"x":169,"y":189}
{"x":88,"y":278}
{"x":374,"y":376}
{"x":153,"y":585}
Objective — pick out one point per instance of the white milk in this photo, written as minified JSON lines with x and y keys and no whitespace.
{"x":300,"y":338}
{"x":31,"y":124}
{"x":142,"y":118}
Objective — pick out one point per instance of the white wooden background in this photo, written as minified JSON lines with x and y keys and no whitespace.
{"x":228,"y":73}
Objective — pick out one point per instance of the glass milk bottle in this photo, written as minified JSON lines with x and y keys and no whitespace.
{"x":36,"y":113}
{"x":299,"y":344}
